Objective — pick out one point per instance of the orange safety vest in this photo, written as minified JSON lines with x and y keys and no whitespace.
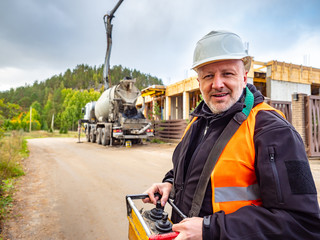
{"x":233,"y":179}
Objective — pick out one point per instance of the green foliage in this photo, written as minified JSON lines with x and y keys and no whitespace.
{"x":142,"y":80}
{"x":74,"y":101}
{"x":11,"y":169}
{"x":1,"y":132}
{"x":48,"y":111}
{"x":37,"y":106}
{"x":12,"y":148}
{"x":24,"y":151}
{"x":35,"y":121}
{"x":63,"y":130}
{"x":201,"y":98}
{"x":6,"y":189}
{"x":157,"y":110}
{"x":22,"y":121}
{"x":9,"y":110}
{"x":156,"y":140}
{"x":15,"y":123}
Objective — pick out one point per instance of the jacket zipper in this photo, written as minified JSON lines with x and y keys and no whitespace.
{"x":205,"y":131}
{"x":275,"y":173}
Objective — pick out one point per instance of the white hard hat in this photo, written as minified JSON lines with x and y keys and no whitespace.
{"x":218,"y":46}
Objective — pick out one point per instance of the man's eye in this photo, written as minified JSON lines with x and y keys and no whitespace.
{"x":208,"y":76}
{"x":228,"y":73}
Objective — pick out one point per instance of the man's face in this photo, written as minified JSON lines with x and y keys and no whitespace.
{"x":221,"y":84}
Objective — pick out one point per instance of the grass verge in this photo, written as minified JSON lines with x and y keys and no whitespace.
{"x":13,"y":148}
{"x":45,"y":134}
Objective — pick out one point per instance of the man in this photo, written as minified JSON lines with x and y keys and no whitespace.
{"x":260,"y":186}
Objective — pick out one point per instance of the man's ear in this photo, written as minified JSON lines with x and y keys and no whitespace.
{"x":198,"y":82}
{"x":245,"y":79}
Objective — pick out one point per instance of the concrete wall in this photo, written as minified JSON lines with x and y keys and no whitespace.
{"x":282,"y":91}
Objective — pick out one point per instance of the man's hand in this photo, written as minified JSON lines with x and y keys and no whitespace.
{"x":189,"y":228}
{"x":162,"y":188}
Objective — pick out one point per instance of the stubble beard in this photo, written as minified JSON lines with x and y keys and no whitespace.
{"x":218,"y":108}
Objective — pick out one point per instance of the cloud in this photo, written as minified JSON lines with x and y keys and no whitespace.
{"x":303,"y":51}
{"x":17,"y":77}
{"x":41,"y":37}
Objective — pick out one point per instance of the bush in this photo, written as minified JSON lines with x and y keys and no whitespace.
{"x":63,"y":130}
{"x":12,"y":124}
{"x":35,"y":125}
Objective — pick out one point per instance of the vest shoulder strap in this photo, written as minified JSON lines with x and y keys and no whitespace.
{"x":188,"y":127}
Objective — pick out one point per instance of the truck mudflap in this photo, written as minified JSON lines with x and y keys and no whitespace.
{"x":151,"y":224}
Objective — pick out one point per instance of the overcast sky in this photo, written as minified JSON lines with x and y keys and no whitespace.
{"x":42,"y":38}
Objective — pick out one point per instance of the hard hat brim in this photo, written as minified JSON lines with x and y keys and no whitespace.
{"x":246,"y":61}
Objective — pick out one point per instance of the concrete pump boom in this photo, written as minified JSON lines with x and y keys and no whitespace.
{"x":107,"y":22}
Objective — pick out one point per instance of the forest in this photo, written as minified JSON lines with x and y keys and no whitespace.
{"x":56,"y":103}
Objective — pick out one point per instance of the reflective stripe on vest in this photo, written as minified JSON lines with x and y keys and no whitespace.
{"x":233,"y":180}
{"x":226,"y":194}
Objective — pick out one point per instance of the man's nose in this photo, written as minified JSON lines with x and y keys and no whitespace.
{"x":217,"y":82}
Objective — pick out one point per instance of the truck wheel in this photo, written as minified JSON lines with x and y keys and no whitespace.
{"x":87,"y":135}
{"x":99,"y":135}
{"x":92,"y":137}
{"x":105,"y":139}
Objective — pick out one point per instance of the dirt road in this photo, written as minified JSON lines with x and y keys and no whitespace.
{"x":77,"y":190}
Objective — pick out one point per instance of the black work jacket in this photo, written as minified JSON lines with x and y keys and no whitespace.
{"x":290,"y":209}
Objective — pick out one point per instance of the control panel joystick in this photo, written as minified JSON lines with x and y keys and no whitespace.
{"x":156,"y":213}
{"x":164,"y":225}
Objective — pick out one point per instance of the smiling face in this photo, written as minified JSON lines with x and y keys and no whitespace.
{"x":221,"y":84}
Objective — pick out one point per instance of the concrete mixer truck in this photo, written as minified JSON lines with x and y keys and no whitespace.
{"x":114,"y":117}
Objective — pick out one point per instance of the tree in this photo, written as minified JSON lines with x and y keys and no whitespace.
{"x":35,"y":120}
{"x":25,"y":102}
{"x":157,"y":111}
{"x":36,"y":105}
{"x":9,"y":110}
{"x":48,"y":111}
{"x":74,"y":101}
